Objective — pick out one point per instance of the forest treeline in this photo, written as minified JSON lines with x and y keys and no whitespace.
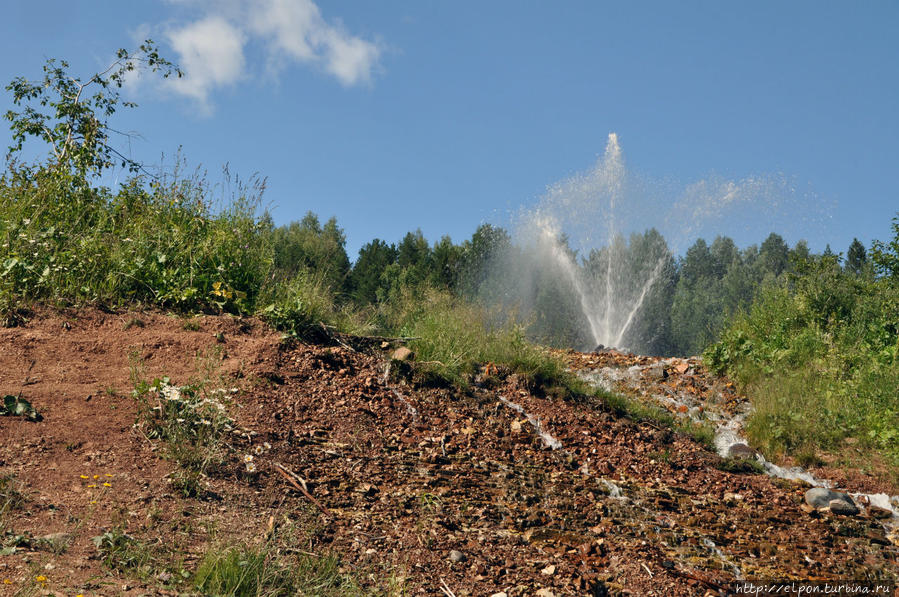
{"x":691,"y":300}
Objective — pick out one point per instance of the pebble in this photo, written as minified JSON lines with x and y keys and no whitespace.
{"x":456,"y":556}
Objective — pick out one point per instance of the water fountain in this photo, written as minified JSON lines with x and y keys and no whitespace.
{"x":616,"y":279}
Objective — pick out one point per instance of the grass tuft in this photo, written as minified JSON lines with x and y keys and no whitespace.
{"x":453,"y":339}
{"x":246,"y":570}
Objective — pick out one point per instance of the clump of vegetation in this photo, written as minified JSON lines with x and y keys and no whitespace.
{"x":191,"y":421}
{"x":246,"y":570}
{"x":10,"y":499}
{"x":122,"y":552}
{"x":300,"y":306}
{"x":741,"y":466}
{"x":452,"y":339}
{"x":818,"y":355}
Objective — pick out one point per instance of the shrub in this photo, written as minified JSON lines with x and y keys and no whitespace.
{"x":818,"y":356}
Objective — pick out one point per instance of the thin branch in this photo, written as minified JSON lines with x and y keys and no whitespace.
{"x":445,"y":589}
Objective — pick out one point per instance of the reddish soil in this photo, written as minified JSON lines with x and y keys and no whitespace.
{"x":402,"y":475}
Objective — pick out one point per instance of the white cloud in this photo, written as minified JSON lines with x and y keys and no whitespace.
{"x":296,"y":30}
{"x":210,"y":52}
{"x":213,"y":52}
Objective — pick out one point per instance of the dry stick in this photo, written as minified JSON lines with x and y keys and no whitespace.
{"x":290,"y":479}
{"x":446,"y":590}
{"x":334,"y":336}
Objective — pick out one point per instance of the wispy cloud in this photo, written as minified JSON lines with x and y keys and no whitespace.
{"x":295,"y":30}
{"x":210,"y":52}
{"x":213,"y":51}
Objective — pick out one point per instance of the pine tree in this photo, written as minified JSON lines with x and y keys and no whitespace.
{"x":856,"y":258}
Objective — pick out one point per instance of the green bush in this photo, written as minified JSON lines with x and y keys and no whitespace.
{"x":300,"y":305}
{"x":817,"y":354}
{"x":157,"y":242}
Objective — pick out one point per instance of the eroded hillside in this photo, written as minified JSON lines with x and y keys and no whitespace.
{"x":498,"y":488}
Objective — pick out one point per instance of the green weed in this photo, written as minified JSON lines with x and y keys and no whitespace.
{"x":191,"y":421}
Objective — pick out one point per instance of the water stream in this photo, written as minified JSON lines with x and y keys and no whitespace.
{"x":728,"y":429}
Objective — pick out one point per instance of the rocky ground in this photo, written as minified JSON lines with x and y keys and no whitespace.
{"x":498,"y":489}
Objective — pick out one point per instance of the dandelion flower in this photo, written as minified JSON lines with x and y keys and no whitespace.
{"x":41,"y":578}
{"x":251,"y":468}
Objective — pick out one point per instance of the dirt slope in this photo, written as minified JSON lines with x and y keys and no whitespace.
{"x":402,"y":475}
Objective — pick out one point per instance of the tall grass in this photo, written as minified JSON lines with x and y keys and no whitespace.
{"x":453,"y":338}
{"x":161,"y":242}
{"x":246,"y":570}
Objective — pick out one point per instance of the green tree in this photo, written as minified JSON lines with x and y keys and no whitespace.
{"x":856,"y":258}
{"x":307,"y":245}
{"x":885,"y":256}
{"x":484,"y":259}
{"x":71,"y":114}
{"x":413,"y":250}
{"x":654,"y":271}
{"x":366,"y":275}
{"x":445,"y":264}
{"x":773,"y":255}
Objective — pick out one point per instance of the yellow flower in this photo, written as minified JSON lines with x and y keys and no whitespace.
{"x":84,"y":476}
{"x":96,"y":476}
{"x":107,"y":485}
{"x":41,"y":578}
{"x":91,"y":485}
{"x":107,"y":475}
{"x":6,"y":581}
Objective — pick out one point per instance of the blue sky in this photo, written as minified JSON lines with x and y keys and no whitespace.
{"x":442,"y":115}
